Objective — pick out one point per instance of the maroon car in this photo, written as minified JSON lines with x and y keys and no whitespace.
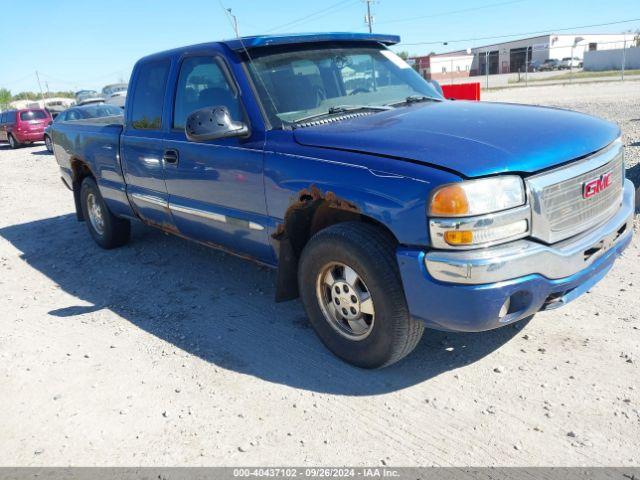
{"x":23,"y":126}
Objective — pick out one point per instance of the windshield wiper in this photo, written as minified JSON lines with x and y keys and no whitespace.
{"x":338,"y":109}
{"x":415,"y":99}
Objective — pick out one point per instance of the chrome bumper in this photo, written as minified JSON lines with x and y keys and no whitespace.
{"x":525,"y":257}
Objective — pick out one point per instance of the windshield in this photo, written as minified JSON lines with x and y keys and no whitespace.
{"x":300,"y":83}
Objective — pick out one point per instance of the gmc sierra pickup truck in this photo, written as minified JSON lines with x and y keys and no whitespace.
{"x":384,"y":206}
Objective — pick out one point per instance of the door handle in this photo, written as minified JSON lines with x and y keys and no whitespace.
{"x":170,"y":156}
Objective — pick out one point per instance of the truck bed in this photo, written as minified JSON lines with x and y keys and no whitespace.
{"x":96,"y":143}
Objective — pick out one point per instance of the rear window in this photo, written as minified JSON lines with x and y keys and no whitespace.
{"x":33,"y":115}
{"x":148,"y":99}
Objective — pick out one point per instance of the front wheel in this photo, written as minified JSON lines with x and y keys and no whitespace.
{"x":106,"y":229}
{"x":48,"y":143}
{"x":352,"y":292}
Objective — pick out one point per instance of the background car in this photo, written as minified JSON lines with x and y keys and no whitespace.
{"x":86,"y":97}
{"x":534,"y":66}
{"x":568,"y":63}
{"x":81,"y":112}
{"x":115,"y":94}
{"x":23,"y":126}
{"x":549,"y":64}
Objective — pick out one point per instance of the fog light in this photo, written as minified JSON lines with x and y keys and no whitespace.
{"x":505,"y":308}
{"x":458,"y":237}
{"x":486,"y":235}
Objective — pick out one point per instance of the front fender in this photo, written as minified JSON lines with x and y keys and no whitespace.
{"x":390,"y":191}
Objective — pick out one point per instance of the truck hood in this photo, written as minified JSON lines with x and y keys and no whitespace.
{"x":470,"y":138}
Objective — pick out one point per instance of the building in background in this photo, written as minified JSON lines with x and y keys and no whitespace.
{"x":444,"y":65}
{"x":512,"y":56}
{"x":613,"y":59}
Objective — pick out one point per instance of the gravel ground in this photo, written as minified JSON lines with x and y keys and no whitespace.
{"x":167,"y":353}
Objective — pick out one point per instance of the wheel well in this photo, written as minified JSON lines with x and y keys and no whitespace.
{"x":80,"y":170}
{"x":312,"y":213}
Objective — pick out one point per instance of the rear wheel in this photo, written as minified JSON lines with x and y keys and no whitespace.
{"x":352,"y":292}
{"x":48,"y":143}
{"x":106,"y":229}
{"x":13,"y":143}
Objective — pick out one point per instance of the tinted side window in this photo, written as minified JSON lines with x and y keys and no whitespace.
{"x":73,"y":115}
{"x":203,"y":83}
{"x":149,"y":89}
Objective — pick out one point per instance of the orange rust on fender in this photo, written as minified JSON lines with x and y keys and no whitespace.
{"x":313,"y":194}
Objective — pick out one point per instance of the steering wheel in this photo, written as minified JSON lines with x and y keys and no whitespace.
{"x":359,"y":90}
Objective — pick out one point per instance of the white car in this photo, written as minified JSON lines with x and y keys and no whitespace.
{"x":86,"y":97}
{"x":568,"y":63}
{"x":115,"y":94}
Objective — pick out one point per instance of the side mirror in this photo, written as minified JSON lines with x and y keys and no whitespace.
{"x":213,"y":123}
{"x":437,"y":86}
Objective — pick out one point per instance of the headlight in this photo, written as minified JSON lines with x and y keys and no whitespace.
{"x":477,"y":197}
{"x":479,"y":213}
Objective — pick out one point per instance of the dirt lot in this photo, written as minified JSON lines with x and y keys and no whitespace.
{"x":165,"y":352}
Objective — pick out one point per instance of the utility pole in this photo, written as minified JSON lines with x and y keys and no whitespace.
{"x":368,"y":19}
{"x":526,"y":66}
{"x":40,"y":87}
{"x":235,"y":22}
{"x":624,"y":53}
{"x":486,"y":66}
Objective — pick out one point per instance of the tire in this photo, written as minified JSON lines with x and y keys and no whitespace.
{"x":48,"y":143}
{"x":107,"y":230}
{"x":370,"y":253}
{"x":13,"y":143}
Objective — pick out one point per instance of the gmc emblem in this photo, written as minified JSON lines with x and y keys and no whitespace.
{"x":595,"y":186}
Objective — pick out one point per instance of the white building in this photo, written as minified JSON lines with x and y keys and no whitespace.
{"x":444,"y":65}
{"x":512,"y":56}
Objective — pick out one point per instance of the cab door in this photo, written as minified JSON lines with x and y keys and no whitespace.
{"x":216,"y":189}
{"x":142,"y":144}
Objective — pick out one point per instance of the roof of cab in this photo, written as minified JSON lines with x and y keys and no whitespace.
{"x":271,"y":40}
{"x":239,"y":44}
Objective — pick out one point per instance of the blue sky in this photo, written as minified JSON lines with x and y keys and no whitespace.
{"x":86,"y":44}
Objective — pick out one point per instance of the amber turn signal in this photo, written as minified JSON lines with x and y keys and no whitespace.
{"x":450,"y":201}
{"x":459,"y":237}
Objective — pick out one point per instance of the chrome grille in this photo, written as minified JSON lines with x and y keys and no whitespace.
{"x":560,"y":210}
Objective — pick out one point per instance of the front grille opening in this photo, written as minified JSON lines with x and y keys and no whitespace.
{"x":590,"y":252}
{"x":554,"y":300}
{"x":620,"y":231}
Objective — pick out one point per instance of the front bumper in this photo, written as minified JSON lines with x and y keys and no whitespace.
{"x":465,"y":290}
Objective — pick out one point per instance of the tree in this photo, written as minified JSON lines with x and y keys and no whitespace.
{"x":5,"y":97}
{"x":403,"y":55}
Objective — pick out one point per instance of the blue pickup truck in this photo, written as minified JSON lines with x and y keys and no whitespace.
{"x":384,"y":206}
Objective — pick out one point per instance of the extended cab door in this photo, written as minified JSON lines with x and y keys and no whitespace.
{"x":142,"y":144}
{"x":216,"y":189}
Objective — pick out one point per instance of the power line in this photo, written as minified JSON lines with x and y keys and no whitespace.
{"x":553,"y":30}
{"x":452,"y":12}
{"x":18,"y":80}
{"x":313,"y":15}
